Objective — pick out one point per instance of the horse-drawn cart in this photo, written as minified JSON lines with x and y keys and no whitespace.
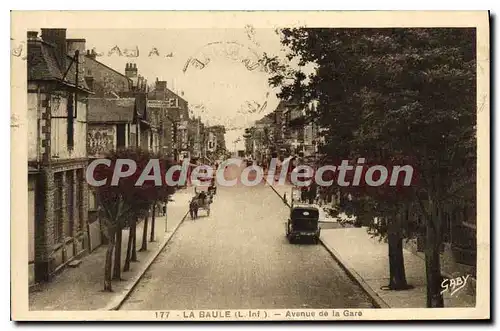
{"x":201,"y":200}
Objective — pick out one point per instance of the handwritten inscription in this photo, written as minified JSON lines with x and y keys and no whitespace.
{"x":19,"y":50}
{"x":250,"y":31}
{"x":231,"y":50}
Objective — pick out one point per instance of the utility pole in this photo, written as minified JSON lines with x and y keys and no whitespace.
{"x":73,"y":112}
{"x":176,"y":156}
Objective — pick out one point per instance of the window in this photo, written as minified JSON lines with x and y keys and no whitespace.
{"x":120,"y":136}
{"x":79,"y":198}
{"x":92,"y":200}
{"x":70,"y":204}
{"x":133,"y":138}
{"x":58,"y":207}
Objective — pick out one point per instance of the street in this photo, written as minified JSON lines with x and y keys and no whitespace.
{"x":239,"y":258}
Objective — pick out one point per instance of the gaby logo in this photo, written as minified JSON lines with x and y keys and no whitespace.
{"x":454,"y":285}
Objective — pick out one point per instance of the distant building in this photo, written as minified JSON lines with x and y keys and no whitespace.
{"x":219,"y":132}
{"x":174,"y":119}
{"x":145,"y":130}
{"x":117,"y":119}
{"x":196,"y":137}
{"x":301,"y":132}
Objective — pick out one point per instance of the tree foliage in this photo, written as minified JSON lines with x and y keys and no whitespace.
{"x":393,"y":96}
{"x":128,"y":200}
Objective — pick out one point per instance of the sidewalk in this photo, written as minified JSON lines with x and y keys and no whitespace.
{"x":366,"y":259}
{"x":80,"y":288}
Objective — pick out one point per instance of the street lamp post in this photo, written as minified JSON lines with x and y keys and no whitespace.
{"x":174,"y":140}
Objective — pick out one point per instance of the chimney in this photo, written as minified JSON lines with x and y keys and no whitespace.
{"x":131,"y":70}
{"x":91,"y":54}
{"x":161,"y":85}
{"x":57,"y":37}
{"x":32,"y":35}
{"x":73,"y":45}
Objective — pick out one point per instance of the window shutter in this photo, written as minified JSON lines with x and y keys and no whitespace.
{"x":70,"y":133}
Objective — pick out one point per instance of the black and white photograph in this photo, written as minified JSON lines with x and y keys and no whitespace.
{"x":250,"y":166}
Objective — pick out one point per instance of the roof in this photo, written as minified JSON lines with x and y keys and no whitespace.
{"x":304,"y":207}
{"x":268,"y":119}
{"x":43,"y":65}
{"x":164,"y":94}
{"x":88,"y":58}
{"x":111,"y":110}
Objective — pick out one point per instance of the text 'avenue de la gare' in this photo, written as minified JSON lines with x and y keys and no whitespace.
{"x":258,"y":314}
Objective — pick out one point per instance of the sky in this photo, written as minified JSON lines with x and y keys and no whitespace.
{"x":219,"y":87}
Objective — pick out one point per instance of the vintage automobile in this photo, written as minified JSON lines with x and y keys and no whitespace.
{"x":303,"y":223}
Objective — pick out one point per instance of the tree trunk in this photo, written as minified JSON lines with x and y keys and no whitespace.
{"x":108,"y":266}
{"x":126,"y":266}
{"x":397,"y":275}
{"x":432,"y":258}
{"x":397,"y":280}
{"x":144,"y":245}
{"x":118,"y":256}
{"x":152,"y":237}
{"x":133,"y":258}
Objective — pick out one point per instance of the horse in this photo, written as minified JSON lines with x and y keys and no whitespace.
{"x":194,"y":205}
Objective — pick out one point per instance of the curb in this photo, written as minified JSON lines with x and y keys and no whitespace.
{"x":119,"y":300}
{"x":376,"y":299}
{"x":285,"y":202}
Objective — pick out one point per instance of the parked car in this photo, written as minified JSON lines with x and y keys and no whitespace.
{"x":303,"y":223}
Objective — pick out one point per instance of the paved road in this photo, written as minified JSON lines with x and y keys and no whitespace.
{"x":239,"y":258}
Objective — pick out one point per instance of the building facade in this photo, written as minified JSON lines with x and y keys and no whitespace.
{"x":196,"y":137}
{"x":118,"y":119}
{"x":57,"y":152}
{"x":173,"y":117}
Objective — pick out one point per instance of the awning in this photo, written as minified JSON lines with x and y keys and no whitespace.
{"x":103,"y":110}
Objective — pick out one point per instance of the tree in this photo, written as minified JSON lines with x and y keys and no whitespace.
{"x":131,"y":255}
{"x":388,"y":93}
{"x":124,"y":202}
{"x":152,"y":234}
{"x":144,"y":245}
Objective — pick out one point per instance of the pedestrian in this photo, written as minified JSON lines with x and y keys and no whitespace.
{"x":313,"y":188}
{"x":303,"y":194}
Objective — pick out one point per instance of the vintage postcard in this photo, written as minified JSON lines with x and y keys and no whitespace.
{"x":250,"y":166}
